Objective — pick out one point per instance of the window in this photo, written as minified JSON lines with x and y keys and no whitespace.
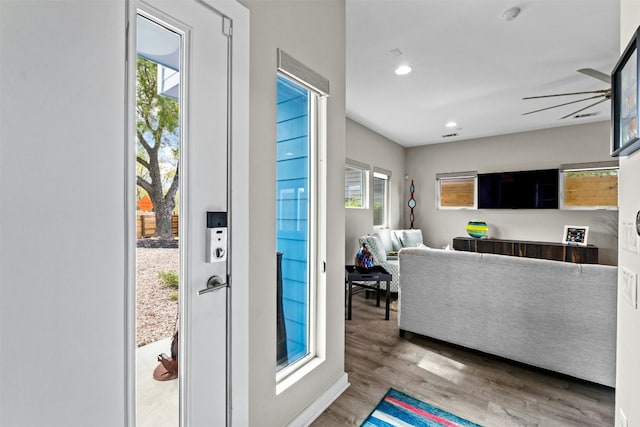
{"x":356,"y":176}
{"x":380,"y":198}
{"x":589,"y":186}
{"x":457,"y":190}
{"x":300,"y":217}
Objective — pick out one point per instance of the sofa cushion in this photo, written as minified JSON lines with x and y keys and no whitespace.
{"x":395,"y":240}
{"x":385,"y":238}
{"x":411,"y":238}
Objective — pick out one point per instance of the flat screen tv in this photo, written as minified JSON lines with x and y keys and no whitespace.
{"x":535,"y":189}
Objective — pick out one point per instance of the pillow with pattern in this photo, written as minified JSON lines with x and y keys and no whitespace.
{"x":411,"y":238}
{"x":377,"y":250}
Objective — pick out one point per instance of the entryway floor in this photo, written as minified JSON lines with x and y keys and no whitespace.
{"x":157,"y":401}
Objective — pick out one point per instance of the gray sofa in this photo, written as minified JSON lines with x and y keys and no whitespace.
{"x":550,"y":314}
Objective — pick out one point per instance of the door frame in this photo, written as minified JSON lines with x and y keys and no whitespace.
{"x":238,"y":210}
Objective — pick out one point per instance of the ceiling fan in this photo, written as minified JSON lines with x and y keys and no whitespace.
{"x":605,"y":94}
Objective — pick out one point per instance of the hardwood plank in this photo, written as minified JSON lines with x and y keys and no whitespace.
{"x":481,"y":388}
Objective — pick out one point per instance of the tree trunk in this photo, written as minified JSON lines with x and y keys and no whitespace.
{"x":164,"y":230}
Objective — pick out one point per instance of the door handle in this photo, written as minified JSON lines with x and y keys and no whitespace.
{"x":214,"y":283}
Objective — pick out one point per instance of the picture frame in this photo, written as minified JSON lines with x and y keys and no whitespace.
{"x":575,"y":235}
{"x":625,"y":114}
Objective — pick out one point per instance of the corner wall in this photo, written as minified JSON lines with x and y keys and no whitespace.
{"x":313,"y":32}
{"x":373,"y":149}
{"x":542,"y":149}
{"x":628,"y":368}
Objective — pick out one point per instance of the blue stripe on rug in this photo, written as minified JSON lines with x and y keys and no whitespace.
{"x":397,"y":409}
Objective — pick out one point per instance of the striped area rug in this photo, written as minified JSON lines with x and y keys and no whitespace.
{"x":396,"y":409}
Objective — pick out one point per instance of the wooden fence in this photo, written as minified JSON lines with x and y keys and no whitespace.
{"x":591,"y":190}
{"x":146,"y":224}
{"x":457,"y":192}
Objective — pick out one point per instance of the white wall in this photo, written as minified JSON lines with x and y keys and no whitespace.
{"x":62,"y":294}
{"x":542,"y":149}
{"x":628,"y":366}
{"x":313,"y":32}
{"x":373,"y":149}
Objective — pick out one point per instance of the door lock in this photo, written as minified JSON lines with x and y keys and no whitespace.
{"x":216,"y":237}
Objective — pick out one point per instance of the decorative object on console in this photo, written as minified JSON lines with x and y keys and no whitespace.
{"x":412,"y":204}
{"x":477,"y":228}
{"x":575,"y":235}
{"x":625,"y":126}
{"x":364,"y":257}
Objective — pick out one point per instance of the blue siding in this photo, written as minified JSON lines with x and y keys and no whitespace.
{"x":293,"y":128}
{"x":292,"y":211}
{"x":287,"y":148}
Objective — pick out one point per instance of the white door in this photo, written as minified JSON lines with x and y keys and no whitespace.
{"x":203,"y":88}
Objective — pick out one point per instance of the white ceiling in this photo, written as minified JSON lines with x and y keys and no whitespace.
{"x":472,"y":67}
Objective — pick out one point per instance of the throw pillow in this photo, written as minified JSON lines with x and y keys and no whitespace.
{"x":411,"y":238}
{"x":377,"y":250}
{"x":395,"y":240}
{"x":385,"y":238}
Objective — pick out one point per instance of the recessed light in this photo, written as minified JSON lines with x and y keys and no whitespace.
{"x":451,"y":124}
{"x":403,"y":70}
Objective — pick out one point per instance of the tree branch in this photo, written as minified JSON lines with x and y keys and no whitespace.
{"x":143,"y":162}
{"x":146,"y":186}
{"x":143,"y":141}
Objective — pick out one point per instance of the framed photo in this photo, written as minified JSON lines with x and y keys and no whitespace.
{"x":625,"y":138}
{"x":575,"y":235}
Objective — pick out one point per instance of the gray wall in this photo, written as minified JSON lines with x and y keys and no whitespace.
{"x":62,"y":212}
{"x":373,"y":149}
{"x":314,"y":33}
{"x":529,"y":150}
{"x":628,"y":374}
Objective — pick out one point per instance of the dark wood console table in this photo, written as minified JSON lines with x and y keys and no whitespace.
{"x":544,"y":250}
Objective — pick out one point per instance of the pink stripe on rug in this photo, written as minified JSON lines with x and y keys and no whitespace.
{"x":421,"y":412}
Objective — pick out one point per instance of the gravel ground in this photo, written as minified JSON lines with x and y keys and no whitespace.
{"x":155,"y":311}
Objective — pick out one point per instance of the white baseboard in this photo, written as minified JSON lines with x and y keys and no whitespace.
{"x":317,"y":407}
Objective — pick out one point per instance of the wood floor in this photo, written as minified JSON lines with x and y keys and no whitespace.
{"x":483,"y":389}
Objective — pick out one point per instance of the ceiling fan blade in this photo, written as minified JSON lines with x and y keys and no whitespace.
{"x":568,"y":103}
{"x":582,"y":109}
{"x":601,"y":91}
{"x":596,"y":74}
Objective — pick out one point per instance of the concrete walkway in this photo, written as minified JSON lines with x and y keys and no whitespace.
{"x":157,"y":401}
